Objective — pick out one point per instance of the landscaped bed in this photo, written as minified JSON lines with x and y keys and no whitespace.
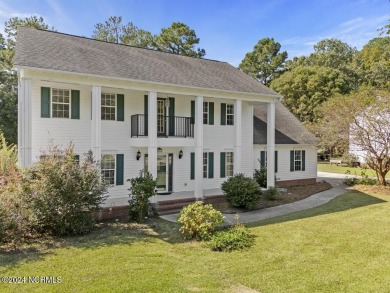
{"x":287,"y":195}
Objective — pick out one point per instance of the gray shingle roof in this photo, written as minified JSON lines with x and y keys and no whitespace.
{"x":57,"y":51}
{"x":289,"y":130}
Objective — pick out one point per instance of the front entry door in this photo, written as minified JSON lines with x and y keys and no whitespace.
{"x":162,"y":173}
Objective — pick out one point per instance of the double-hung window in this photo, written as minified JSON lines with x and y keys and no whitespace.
{"x":229,"y":114}
{"x":108,"y":110}
{"x":205,"y":112}
{"x":60,"y":103}
{"x":297,"y":160}
{"x":229,"y":163}
{"x":205,"y":165}
{"x":108,"y":168}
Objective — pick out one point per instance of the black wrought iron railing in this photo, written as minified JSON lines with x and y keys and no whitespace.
{"x":167,"y":126}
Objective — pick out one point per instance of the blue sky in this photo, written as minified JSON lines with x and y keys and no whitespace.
{"x":227,"y":29}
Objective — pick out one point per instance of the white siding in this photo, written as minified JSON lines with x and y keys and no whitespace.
{"x":284,"y":172}
{"x":116,"y":139}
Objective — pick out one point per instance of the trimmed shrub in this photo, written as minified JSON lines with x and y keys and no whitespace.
{"x":272,"y":193}
{"x":261,"y":176}
{"x":198,"y":221}
{"x":235,"y":238}
{"x":61,"y":194}
{"x":241,"y":191}
{"x":142,"y":188}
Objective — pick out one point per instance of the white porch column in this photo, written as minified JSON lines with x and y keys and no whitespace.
{"x":24,"y":122}
{"x":237,"y":136}
{"x":96,"y":123}
{"x":198,"y":192}
{"x":271,"y":145}
{"x":152,"y":133}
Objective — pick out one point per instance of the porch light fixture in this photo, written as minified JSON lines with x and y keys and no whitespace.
{"x":180,"y":154}
{"x":159,"y":150}
{"x":138,"y":155}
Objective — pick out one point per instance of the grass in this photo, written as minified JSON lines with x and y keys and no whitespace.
{"x":322,"y":167}
{"x":342,"y":246}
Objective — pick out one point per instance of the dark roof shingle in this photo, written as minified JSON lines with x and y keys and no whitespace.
{"x":288,"y":129}
{"x":58,"y":51}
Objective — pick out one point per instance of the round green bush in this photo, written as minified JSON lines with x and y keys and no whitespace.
{"x":198,"y":221}
{"x":241,"y":191}
{"x":236,"y":238}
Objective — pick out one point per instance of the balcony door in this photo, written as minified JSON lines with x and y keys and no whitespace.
{"x":161,"y":121}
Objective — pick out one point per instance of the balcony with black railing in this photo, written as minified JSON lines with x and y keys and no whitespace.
{"x":167,"y":126}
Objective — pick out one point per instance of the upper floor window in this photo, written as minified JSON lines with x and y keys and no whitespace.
{"x":60,"y":103}
{"x":108,"y":106}
{"x":205,"y":112}
{"x":208,"y":113}
{"x":229,"y":114}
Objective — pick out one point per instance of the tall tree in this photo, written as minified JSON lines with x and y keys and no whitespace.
{"x":264,"y":63}
{"x":179,"y":38}
{"x":332,"y":53}
{"x":8,"y":78}
{"x":373,"y":63}
{"x":304,"y":88}
{"x":110,"y":30}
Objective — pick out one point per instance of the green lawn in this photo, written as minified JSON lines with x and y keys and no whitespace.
{"x":341,"y":169}
{"x":342,"y":246}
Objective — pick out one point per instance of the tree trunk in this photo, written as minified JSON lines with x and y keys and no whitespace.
{"x":382,"y":178}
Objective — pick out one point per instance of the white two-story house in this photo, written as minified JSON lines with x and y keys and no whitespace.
{"x":188,"y":121}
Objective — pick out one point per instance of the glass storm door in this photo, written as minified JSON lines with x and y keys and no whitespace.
{"x":162,"y":173}
{"x":161,"y":118}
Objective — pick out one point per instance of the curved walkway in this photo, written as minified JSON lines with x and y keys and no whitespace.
{"x":305,"y":204}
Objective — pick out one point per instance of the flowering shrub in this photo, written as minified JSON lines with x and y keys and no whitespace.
{"x":198,"y":221}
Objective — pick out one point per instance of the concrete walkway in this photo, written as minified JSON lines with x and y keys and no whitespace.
{"x":310,"y":202}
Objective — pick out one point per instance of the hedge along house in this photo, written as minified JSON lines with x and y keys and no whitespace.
{"x":295,"y":157}
{"x":188,"y":121}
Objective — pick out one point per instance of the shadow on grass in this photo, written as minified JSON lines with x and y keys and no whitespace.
{"x":346,"y":201}
{"x":105,"y":234}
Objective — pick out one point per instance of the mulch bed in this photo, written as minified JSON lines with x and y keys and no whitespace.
{"x":292,"y":194}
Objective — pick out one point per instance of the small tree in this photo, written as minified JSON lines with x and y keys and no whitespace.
{"x":61,"y":193}
{"x":363,"y":119}
{"x":142,"y":188}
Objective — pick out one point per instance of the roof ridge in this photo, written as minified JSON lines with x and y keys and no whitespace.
{"x":118,"y":44}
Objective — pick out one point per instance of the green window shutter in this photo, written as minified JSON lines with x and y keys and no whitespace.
{"x":223,"y":114}
{"x":146,"y":165}
{"x":223,"y":165}
{"x":45,"y":102}
{"x":119,"y":169}
{"x":262,"y":158}
{"x":303,"y":160}
{"x":292,"y":161}
{"x":171,"y":114}
{"x":211,"y":113}
{"x":211,"y":165}
{"x":193,"y":112}
{"x":75,"y":101}
{"x":276,"y":161}
{"x":192,"y":166}
{"x":146,"y":114}
{"x":120,"y":100}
